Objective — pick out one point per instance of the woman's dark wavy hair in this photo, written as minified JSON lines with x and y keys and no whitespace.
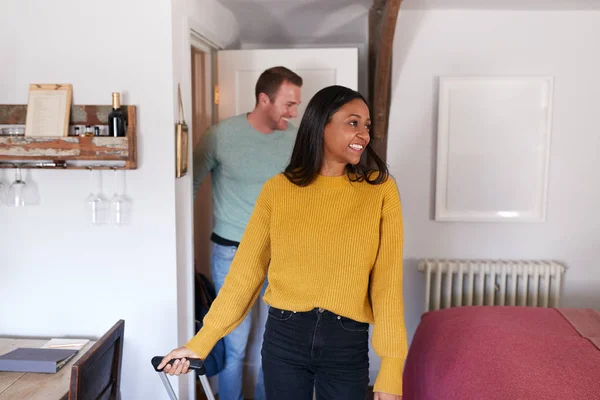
{"x":307,"y":157}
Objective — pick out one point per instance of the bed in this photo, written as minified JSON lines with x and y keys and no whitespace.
{"x":503,"y":352}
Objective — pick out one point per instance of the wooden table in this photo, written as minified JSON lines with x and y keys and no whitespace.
{"x":35,"y":386}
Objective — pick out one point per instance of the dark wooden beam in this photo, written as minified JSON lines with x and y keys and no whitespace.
{"x":382,"y":26}
{"x":375,"y":17}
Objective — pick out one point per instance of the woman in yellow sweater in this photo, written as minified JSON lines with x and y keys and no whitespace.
{"x":328,"y":231}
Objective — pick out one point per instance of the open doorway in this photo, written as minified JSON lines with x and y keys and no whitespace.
{"x":238,"y":71}
{"x":203,"y":115}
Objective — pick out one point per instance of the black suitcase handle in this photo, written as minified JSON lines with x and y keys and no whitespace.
{"x":196,"y":364}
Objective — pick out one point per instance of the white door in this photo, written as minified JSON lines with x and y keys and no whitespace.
{"x":238,"y":71}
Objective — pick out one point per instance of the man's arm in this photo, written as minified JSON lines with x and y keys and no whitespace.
{"x":205,"y":159}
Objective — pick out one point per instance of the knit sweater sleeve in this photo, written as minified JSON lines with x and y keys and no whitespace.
{"x":243,"y":282}
{"x":389,"y":331}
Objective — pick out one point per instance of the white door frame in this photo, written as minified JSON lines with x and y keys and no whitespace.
{"x":202,"y":41}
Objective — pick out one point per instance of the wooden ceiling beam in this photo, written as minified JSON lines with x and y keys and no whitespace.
{"x":382,"y":26}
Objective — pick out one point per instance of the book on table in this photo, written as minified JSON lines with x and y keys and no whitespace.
{"x":45,"y":360}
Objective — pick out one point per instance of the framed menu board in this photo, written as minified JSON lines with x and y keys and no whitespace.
{"x":48,"y":110}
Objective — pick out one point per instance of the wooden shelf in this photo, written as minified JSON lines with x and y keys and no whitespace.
{"x":70,"y":152}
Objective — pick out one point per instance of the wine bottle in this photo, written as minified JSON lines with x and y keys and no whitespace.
{"x":116,"y":118}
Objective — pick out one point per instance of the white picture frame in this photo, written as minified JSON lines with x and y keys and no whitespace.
{"x":493,"y":148}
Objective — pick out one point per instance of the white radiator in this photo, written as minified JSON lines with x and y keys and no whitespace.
{"x":456,"y":283}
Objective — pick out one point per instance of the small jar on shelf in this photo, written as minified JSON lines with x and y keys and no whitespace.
{"x":88,"y":131}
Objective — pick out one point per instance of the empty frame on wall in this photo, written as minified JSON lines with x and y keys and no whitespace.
{"x":493,"y":148}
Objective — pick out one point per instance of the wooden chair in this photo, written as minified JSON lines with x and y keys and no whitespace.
{"x":97,"y":374}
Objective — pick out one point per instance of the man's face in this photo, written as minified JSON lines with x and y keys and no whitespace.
{"x":284,"y":107}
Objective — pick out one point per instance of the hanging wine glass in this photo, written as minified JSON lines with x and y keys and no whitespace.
{"x":16,"y":196}
{"x":96,"y":205}
{"x":2,"y":193}
{"x":120,"y":205}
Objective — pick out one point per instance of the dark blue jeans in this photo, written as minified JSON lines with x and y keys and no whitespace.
{"x":315,"y":350}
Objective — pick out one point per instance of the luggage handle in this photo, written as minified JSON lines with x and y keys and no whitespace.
{"x":196,"y":364}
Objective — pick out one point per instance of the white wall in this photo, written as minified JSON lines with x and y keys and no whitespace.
{"x":562,"y":44}
{"x":218,"y":26}
{"x":59,"y":277}
{"x":209,"y":18}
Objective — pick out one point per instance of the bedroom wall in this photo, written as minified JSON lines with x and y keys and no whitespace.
{"x":563,"y":44}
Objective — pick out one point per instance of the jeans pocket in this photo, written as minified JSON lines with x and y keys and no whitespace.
{"x":225,"y":253}
{"x":351,"y":325}
{"x":280,"y":315}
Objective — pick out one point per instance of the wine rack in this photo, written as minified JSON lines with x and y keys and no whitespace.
{"x":70,"y":152}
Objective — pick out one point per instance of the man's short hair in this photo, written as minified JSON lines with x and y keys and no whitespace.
{"x":271,"y":79}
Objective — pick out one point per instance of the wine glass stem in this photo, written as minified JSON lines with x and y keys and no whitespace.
{"x":91,"y":182}
{"x":115,"y":183}
{"x":99,"y":183}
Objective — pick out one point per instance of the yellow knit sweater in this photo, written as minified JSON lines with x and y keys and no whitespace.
{"x":334,"y":244}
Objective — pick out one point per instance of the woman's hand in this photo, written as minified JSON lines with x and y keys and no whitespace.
{"x":179,"y":366}
{"x":386,"y":396}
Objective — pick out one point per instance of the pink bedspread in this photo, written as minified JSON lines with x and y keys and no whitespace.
{"x":505,"y":353}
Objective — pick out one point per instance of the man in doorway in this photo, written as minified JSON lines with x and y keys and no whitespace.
{"x":242,"y":153}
